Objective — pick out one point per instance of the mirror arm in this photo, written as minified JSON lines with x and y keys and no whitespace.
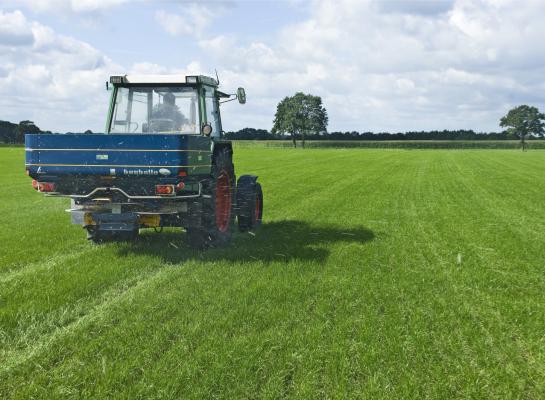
{"x":233,"y":99}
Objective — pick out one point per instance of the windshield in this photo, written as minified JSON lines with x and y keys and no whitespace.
{"x":155,"y":110}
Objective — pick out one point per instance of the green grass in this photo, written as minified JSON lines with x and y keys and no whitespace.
{"x":377,"y":274}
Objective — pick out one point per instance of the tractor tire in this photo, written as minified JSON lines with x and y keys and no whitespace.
{"x":218,"y":215}
{"x":249,"y":203}
{"x":197,"y":238}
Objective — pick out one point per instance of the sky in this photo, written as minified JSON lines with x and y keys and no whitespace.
{"x":379,"y":65}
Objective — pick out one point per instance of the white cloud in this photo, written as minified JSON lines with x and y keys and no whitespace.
{"x":14,"y":30}
{"x":63,"y":6}
{"x":400,"y":67}
{"x":55,"y":80}
{"x":194,"y":20}
{"x":173,"y":23}
{"x":419,"y":7}
{"x":147,"y":68}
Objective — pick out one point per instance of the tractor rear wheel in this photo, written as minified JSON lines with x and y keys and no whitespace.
{"x":217,"y":208}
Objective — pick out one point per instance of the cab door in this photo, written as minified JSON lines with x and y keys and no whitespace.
{"x":212,"y":111}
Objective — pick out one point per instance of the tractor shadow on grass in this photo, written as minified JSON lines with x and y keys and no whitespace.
{"x":274,"y":241}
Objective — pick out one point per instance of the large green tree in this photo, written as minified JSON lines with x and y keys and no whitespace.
{"x":523,"y":121}
{"x":300,"y":115}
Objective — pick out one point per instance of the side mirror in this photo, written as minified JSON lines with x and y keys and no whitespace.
{"x":241,"y":95}
{"x":207,"y":129}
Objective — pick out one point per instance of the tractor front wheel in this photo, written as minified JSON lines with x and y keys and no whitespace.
{"x":249,"y":203}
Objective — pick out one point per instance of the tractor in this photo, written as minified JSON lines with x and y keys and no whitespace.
{"x":161,"y":162}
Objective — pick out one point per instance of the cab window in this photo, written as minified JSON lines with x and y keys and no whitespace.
{"x":155,"y":110}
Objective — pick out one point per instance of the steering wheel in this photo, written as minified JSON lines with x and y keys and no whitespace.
{"x":161,"y":124}
{"x":135,"y":129}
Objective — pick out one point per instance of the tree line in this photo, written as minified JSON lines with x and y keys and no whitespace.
{"x":461,"y":134}
{"x":303,"y":117}
{"x":11,"y":133}
{"x":15,"y":133}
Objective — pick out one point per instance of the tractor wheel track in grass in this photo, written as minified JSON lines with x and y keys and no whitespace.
{"x":89,"y":313}
{"x":50,"y":262}
{"x":30,"y":324}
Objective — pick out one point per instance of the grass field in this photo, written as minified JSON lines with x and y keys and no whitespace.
{"x":377,"y":274}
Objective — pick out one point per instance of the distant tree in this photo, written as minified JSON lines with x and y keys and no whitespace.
{"x":8,"y":132}
{"x":523,"y":121}
{"x":300,"y":115}
{"x":88,"y":132}
{"x":25,"y":127}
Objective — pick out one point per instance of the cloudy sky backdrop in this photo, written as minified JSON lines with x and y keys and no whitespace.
{"x":384,"y":65}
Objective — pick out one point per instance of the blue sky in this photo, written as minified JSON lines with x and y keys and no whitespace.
{"x":131,"y":33}
{"x":379,"y":65}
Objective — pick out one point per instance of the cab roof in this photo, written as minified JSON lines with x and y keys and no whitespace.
{"x":163,"y":79}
